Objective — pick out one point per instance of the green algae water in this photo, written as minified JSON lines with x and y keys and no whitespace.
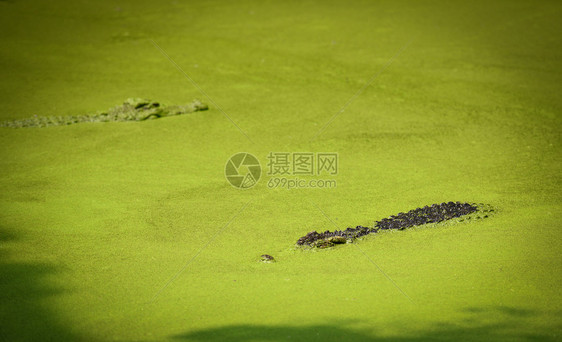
{"x":131,"y":232}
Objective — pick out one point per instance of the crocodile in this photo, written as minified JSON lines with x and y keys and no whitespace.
{"x":133,"y":109}
{"x":435,"y":213}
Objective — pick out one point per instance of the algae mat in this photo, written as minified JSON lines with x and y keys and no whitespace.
{"x":130,"y":231}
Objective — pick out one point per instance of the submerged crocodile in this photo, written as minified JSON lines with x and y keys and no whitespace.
{"x":133,"y":109}
{"x":429,"y":214}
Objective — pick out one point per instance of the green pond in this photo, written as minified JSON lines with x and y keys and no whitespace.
{"x":130,"y":231}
